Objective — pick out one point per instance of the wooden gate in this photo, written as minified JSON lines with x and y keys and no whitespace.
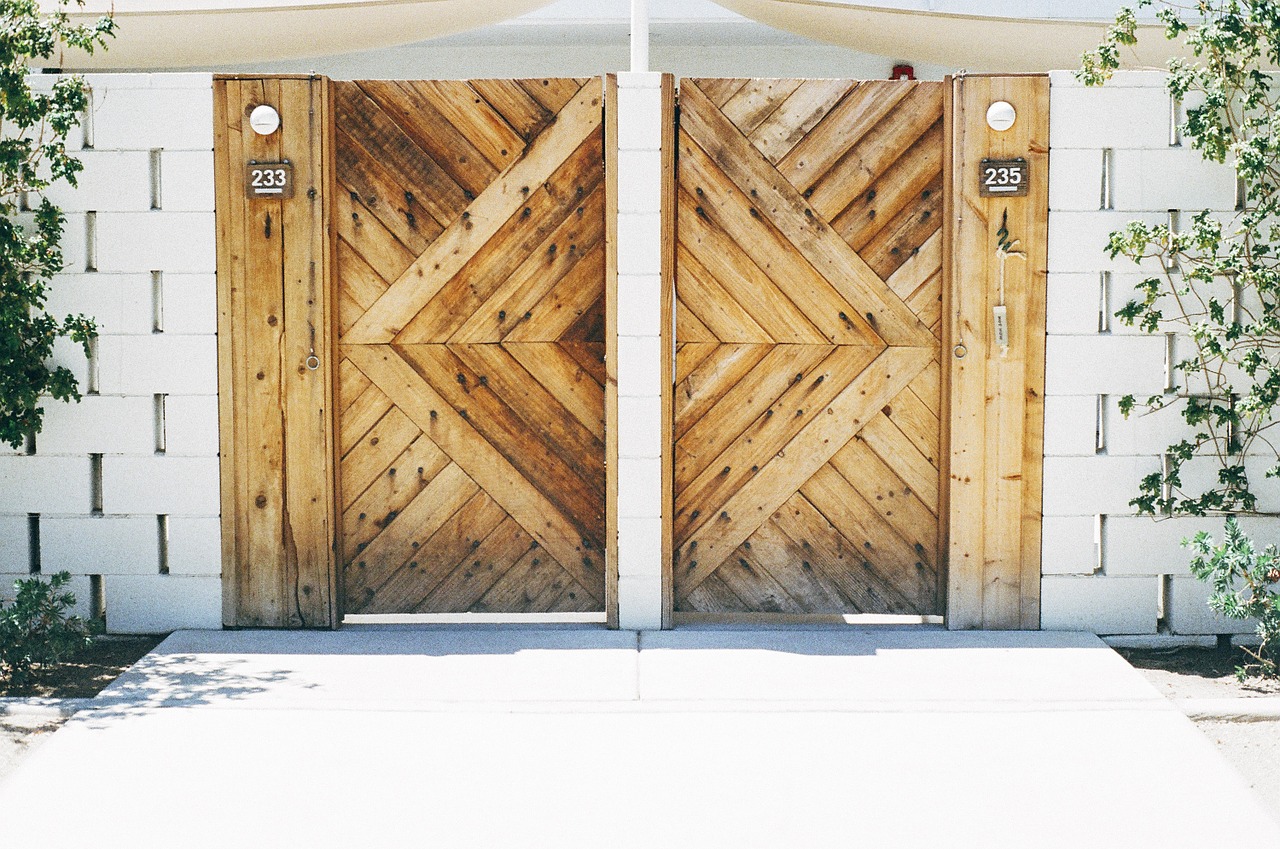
{"x":471,"y":261}
{"x":809,"y":294}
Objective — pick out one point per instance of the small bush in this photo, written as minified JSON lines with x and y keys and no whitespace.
{"x":1243,"y":581}
{"x":35,"y":630}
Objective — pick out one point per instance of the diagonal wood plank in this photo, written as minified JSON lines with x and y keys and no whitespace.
{"x":814,"y":239}
{"x":484,"y":464}
{"x":750,"y":506}
{"x":467,"y":235}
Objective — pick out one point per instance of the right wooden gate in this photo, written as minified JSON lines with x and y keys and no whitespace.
{"x":808,"y":320}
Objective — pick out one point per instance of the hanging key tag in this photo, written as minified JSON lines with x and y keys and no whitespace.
{"x":1002,"y":326}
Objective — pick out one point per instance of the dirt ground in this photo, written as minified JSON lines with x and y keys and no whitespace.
{"x":83,"y":676}
{"x":88,"y":672}
{"x":1253,"y":748}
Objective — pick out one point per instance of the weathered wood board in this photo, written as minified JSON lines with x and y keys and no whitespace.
{"x":471,"y":259}
{"x":997,"y":396}
{"x":808,"y":319}
{"x":273,"y":314}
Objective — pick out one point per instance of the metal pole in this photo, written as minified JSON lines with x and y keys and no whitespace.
{"x":639,"y":35}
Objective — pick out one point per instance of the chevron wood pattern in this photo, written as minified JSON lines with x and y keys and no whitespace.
{"x":808,"y":324}
{"x":470,"y":221}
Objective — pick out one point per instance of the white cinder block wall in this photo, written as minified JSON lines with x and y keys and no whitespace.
{"x":1103,"y":566}
{"x":124,"y":485}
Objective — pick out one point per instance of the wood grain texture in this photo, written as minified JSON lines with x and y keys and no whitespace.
{"x":997,"y":397}
{"x":805,"y":410}
{"x":472,"y":265}
{"x":274,"y":296}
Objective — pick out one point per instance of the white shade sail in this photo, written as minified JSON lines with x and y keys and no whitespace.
{"x":979,"y":42}
{"x":204,"y":33}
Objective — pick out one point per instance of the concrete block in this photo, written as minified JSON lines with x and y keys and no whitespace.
{"x":191,"y":425}
{"x":640,"y":426}
{"x":70,"y":355}
{"x":120,"y":304}
{"x":1074,"y":303}
{"x":1187,"y":611}
{"x":640,"y":243}
{"x":99,"y":424}
{"x":1109,"y":116}
{"x":640,"y":305}
{"x":190,"y":303}
{"x":112,"y":180}
{"x":639,"y":181}
{"x":1105,"y":365}
{"x":73,"y":242}
{"x":161,"y":484}
{"x":1075,"y":178}
{"x":639,"y":488}
{"x":640,"y":546}
{"x":1069,"y":545}
{"x":639,"y":366}
{"x":1112,"y":482}
{"x":14,"y":554}
{"x":1070,"y":425}
{"x":639,"y":603}
{"x":155,"y":604}
{"x":1078,"y":240}
{"x":78,"y":586}
{"x":195,"y":545}
{"x":1144,"y":432}
{"x":100,"y":545}
{"x":186,"y":180}
{"x":1121,"y":79}
{"x":177,"y":118}
{"x":44,"y":484}
{"x":1099,"y":604}
{"x":144,"y":241}
{"x":639,"y":118}
{"x":162,"y":362}
{"x":191,"y":81}
{"x":1267,"y":489}
{"x":639,"y":79}
{"x":1172,"y":178}
{"x":1145,"y":545}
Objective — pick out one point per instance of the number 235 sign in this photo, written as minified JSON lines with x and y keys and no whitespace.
{"x":1007,"y":177}
{"x":269,"y":179}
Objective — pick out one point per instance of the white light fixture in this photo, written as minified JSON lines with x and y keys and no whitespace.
{"x":1001,"y":115}
{"x":264,"y":120}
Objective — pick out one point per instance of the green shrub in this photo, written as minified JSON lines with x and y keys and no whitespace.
{"x":1242,"y":581}
{"x":35,"y":630}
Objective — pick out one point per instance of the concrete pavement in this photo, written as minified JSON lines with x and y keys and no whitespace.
{"x":572,"y":736}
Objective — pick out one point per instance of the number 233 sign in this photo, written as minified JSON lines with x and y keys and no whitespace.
{"x":1007,"y":177}
{"x":269,"y":180}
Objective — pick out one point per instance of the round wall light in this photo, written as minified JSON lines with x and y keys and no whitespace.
{"x":265,"y":120}
{"x":1001,"y":115}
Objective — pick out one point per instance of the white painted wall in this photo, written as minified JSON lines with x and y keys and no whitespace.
{"x":1103,"y":565}
{"x":135,"y":263}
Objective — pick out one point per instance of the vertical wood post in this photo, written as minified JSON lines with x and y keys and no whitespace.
{"x":996,"y":396}
{"x":274,"y":316}
{"x":611,"y":348}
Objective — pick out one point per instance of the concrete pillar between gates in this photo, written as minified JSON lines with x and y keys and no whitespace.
{"x":639,"y":350}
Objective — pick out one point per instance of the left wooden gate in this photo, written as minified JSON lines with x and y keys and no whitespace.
{"x":470,"y":219}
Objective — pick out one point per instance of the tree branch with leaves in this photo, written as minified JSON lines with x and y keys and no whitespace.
{"x":34,"y":125}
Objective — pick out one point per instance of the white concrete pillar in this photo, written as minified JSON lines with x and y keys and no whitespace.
{"x":639,"y":36}
{"x":639,"y":350}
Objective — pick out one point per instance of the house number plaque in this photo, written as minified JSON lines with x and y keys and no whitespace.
{"x":269,"y":179}
{"x":1003,"y":177}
